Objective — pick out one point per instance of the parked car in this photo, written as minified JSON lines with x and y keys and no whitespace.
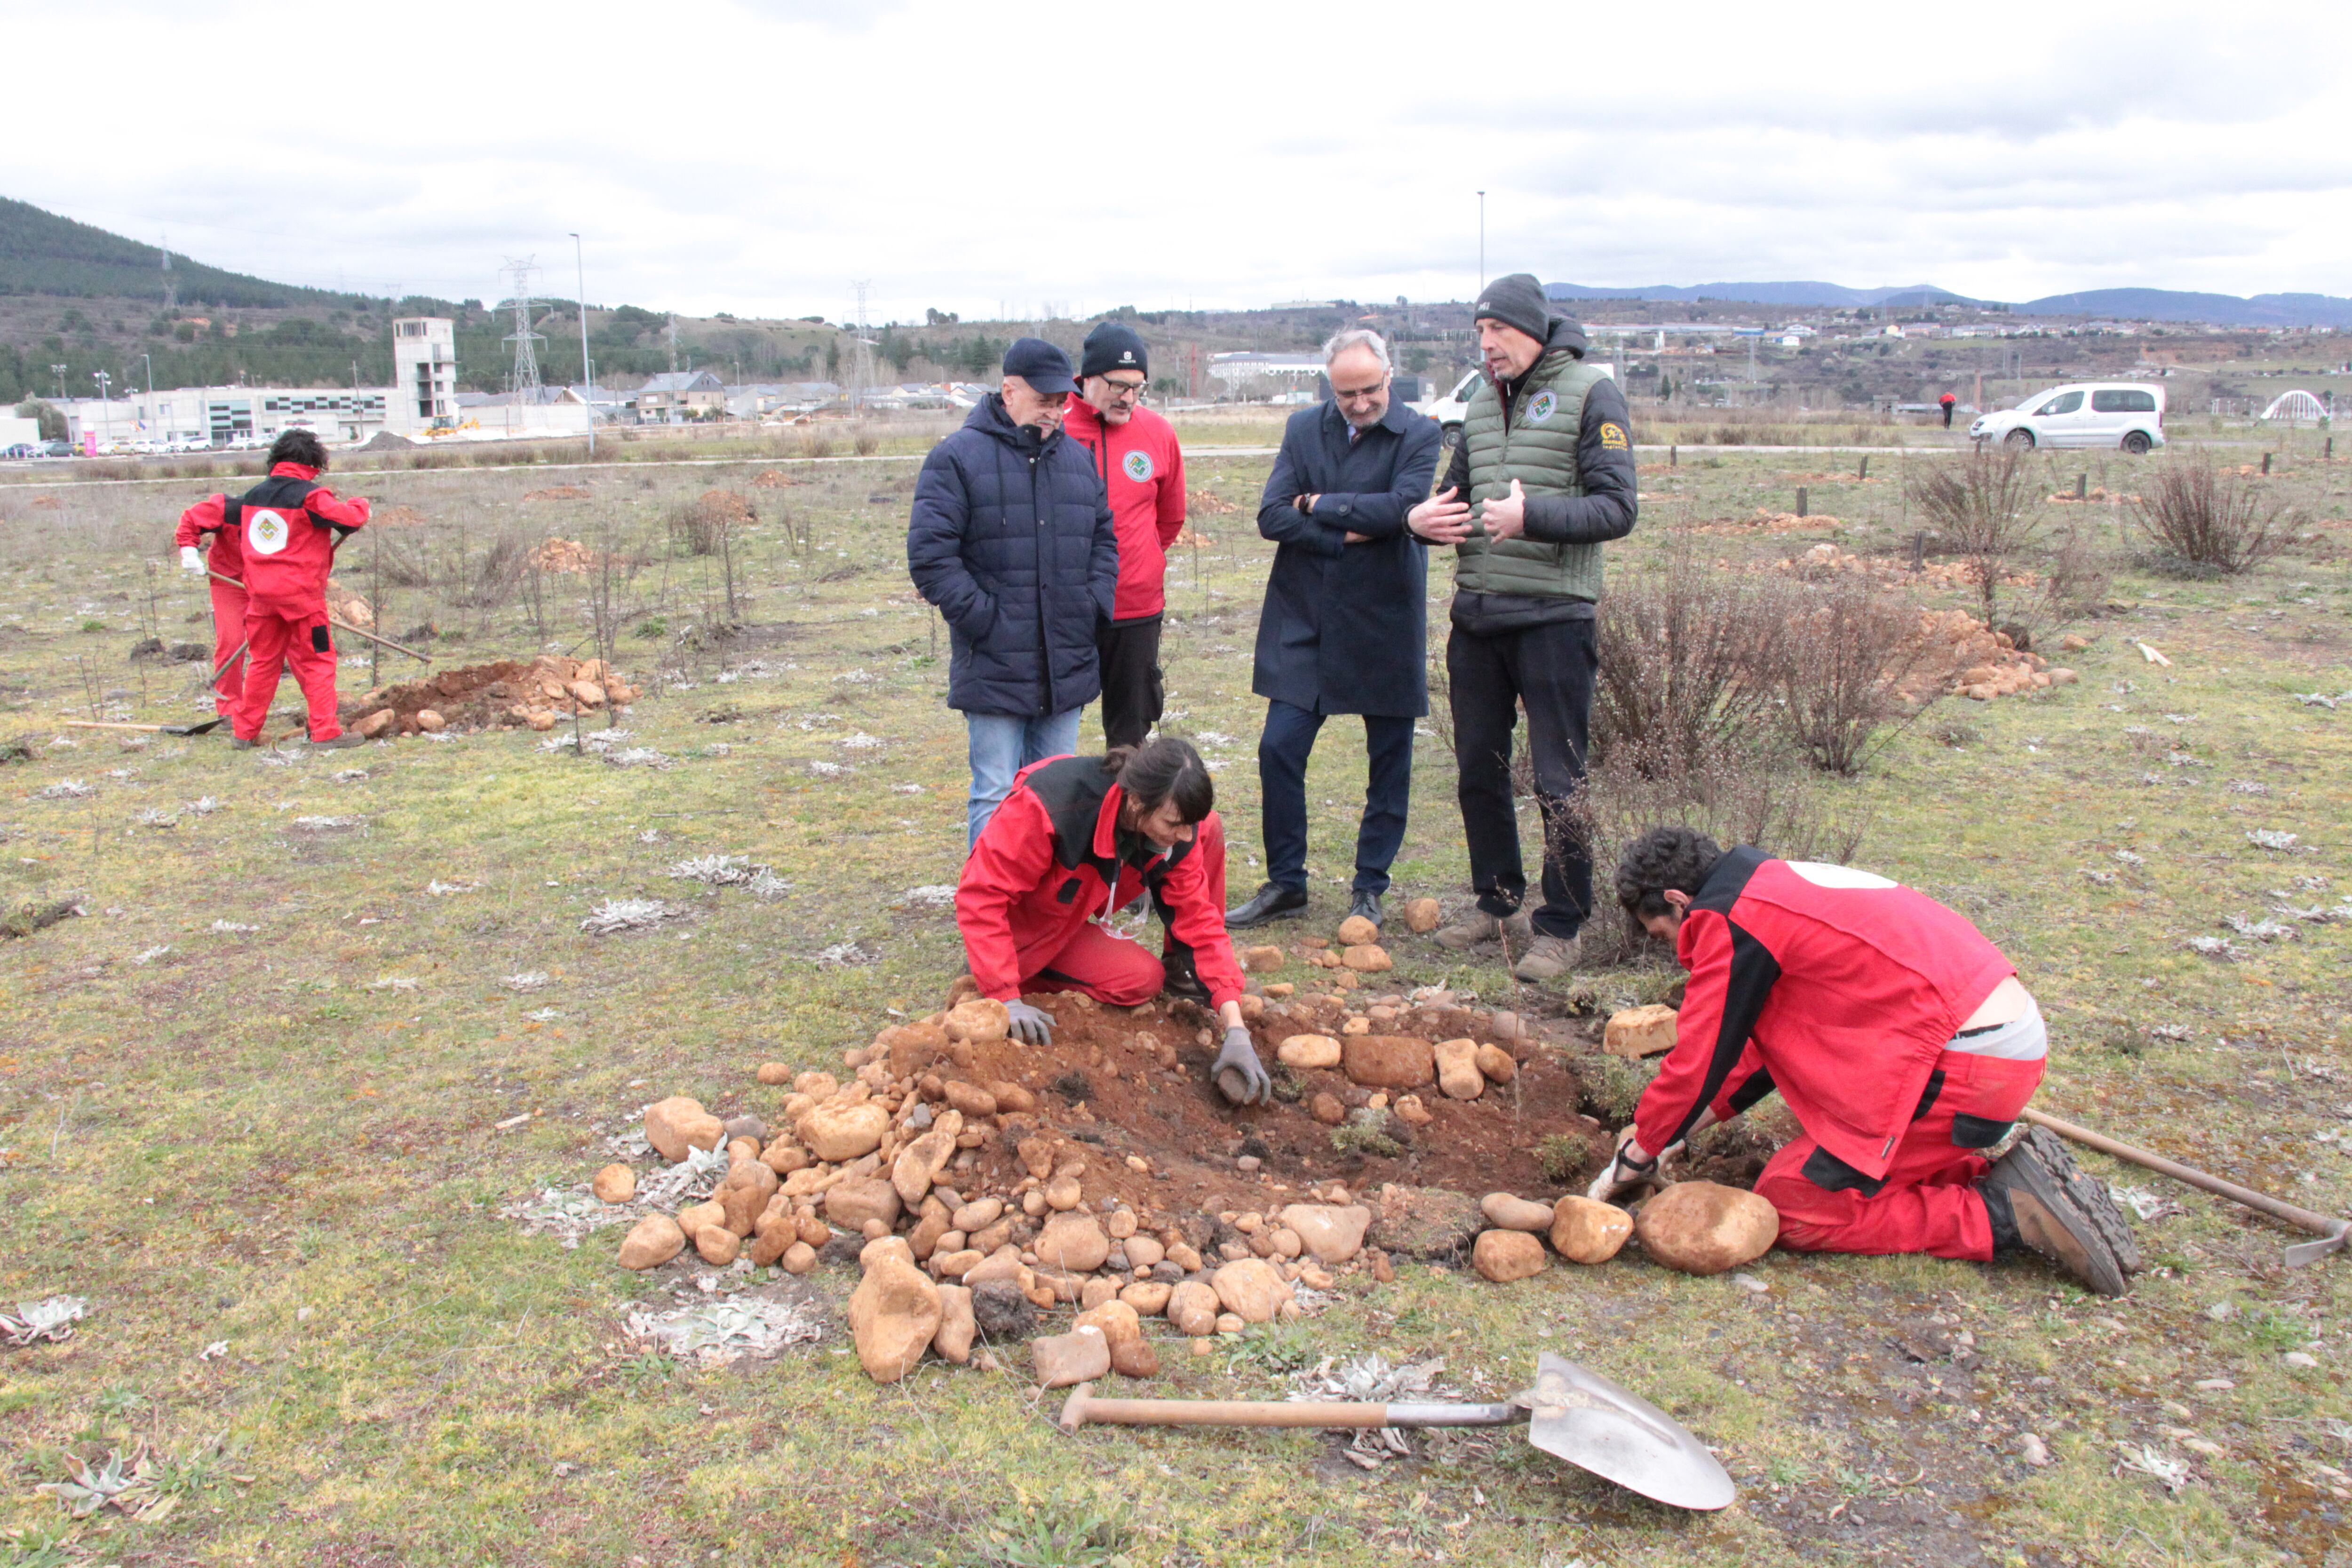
{"x":20,"y":451}
{"x":2128,"y":415}
{"x":56,"y":449}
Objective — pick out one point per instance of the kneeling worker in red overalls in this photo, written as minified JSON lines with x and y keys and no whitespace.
{"x":287,"y":527}
{"x":1079,"y":837}
{"x":1899,"y":1036}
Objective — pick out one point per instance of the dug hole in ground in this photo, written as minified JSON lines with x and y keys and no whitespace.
{"x":980,"y":1187}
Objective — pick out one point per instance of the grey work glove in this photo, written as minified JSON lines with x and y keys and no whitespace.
{"x":1028,"y":1024}
{"x":1248,"y":1083}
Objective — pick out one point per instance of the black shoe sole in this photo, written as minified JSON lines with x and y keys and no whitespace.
{"x":2090,"y":1195}
{"x":2039,"y":1167}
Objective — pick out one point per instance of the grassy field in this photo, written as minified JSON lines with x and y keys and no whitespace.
{"x":264,"y":1101}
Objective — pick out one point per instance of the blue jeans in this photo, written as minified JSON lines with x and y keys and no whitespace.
{"x":1002,"y":747}
{"x":1282,"y":752}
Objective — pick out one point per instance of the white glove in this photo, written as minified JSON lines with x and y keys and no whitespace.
{"x":191,"y":562}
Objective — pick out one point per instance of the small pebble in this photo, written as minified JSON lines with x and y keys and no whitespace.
{"x":1749,"y":1282}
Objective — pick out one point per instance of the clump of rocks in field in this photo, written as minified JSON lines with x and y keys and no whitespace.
{"x":506,"y":694}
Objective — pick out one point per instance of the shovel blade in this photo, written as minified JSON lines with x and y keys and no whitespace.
{"x":208,"y":725}
{"x":1581,"y":1417}
{"x":2304,"y":1254}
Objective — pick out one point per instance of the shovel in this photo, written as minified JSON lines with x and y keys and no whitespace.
{"x":2335,"y":1235}
{"x":150,"y":729}
{"x":1571,"y":1412}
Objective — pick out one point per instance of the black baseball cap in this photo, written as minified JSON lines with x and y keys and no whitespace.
{"x":1045,"y":368}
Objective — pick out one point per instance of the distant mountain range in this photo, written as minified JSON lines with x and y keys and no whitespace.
{"x":2130,"y":304}
{"x":41,"y":253}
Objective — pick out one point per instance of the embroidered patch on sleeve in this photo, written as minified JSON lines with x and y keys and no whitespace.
{"x":1612,"y":437}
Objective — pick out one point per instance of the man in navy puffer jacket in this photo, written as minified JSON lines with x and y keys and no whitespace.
{"x":1013,"y":540}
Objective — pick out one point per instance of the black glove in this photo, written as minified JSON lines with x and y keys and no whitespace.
{"x":1239,"y":1057}
{"x":1028,"y":1024}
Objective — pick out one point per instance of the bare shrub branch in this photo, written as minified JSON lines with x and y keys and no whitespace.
{"x":1988,"y":506}
{"x":1691,"y":661}
{"x":2198,"y":515}
{"x":1843,"y":689}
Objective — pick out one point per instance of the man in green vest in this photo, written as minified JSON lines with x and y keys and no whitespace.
{"x":1542,"y":479}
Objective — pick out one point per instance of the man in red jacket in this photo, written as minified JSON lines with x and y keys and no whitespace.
{"x":227,"y":560}
{"x":287,"y":528}
{"x":1142,"y":470}
{"x":1076,"y":839}
{"x":1897,"y":1033}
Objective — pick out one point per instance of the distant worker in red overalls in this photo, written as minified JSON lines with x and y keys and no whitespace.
{"x":226,"y":561}
{"x":1948,"y":401}
{"x":1079,"y":837}
{"x":287,"y":527}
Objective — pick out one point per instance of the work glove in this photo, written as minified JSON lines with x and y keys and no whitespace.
{"x":1622,"y":1175}
{"x":1028,"y":1024}
{"x":1240,"y":1056}
{"x":191,"y":562}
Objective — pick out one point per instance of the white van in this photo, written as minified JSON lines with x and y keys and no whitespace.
{"x":2128,"y":415}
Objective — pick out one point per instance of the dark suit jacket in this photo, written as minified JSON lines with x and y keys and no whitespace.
{"x":1345,"y":626}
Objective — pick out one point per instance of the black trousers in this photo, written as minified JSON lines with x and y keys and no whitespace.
{"x":1132,"y":696}
{"x":1283,"y":748}
{"x":1549,"y":668}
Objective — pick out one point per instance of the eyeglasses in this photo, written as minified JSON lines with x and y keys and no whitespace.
{"x":1124,"y":389}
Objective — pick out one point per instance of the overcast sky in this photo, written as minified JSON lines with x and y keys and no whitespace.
{"x":759,"y":156}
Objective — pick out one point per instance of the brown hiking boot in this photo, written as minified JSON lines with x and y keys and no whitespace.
{"x":1478,"y":926}
{"x":342,"y":743}
{"x":2033,"y":1179}
{"x":1548,"y":957}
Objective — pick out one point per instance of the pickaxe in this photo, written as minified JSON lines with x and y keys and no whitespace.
{"x":2333,"y":1233}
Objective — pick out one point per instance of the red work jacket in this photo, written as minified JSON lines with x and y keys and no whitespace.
{"x":1836,"y":987}
{"x":288,"y":526}
{"x":227,"y":556}
{"x":1143,"y":471}
{"x":1051,"y":859}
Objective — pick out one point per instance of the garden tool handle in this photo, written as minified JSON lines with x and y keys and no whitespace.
{"x":333,"y":619}
{"x":1082,"y":1407}
{"x":2303,"y":1218}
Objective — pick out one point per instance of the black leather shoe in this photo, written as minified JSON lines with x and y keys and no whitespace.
{"x":1367,"y":905}
{"x":1274,"y":900}
{"x":1183,"y":979}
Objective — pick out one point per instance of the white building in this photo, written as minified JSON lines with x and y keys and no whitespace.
{"x":1248,"y":373}
{"x":423,"y":373}
{"x":191,"y":417}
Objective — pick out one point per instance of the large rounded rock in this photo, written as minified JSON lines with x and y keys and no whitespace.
{"x":1387,"y":1061}
{"x":1457,"y":1069}
{"x":1333,"y":1232}
{"x":1703,"y":1227}
{"x":614,"y":1184}
{"x":1421,"y":915}
{"x":1309,"y":1051}
{"x":1072,"y":1242}
{"x":1250,"y":1289}
{"x":1079,"y":1357}
{"x":1367,"y":958}
{"x":980,"y":1021}
{"x":957,"y":1325}
{"x":1504,"y":1256}
{"x":1586,"y":1230}
{"x":652,"y":1242}
{"x":1510,"y":1212}
{"x":1192,"y":1307}
{"x":1637,"y":1032}
{"x":839,"y":1131}
{"x":849,"y":1205}
{"x":676,"y":1124}
{"x":894,"y":1316}
{"x":919,"y":1164}
{"x":1355,"y":931}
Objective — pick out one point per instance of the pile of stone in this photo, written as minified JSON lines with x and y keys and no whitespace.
{"x":1696,"y":1227}
{"x":866,"y":1169}
{"x":532,"y":696}
{"x":1961,"y":656}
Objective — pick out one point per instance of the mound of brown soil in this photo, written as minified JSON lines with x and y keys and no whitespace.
{"x":776,"y":480}
{"x":565,"y":556}
{"x":557,"y":492}
{"x":507,"y":694}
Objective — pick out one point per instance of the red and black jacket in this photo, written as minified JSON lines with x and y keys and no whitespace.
{"x":1052,"y":857}
{"x":1836,"y":987}
{"x":286,"y":527}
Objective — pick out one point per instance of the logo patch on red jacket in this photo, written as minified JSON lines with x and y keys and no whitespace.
{"x":1137,"y":465}
{"x":1612,"y":437}
{"x":266,"y":532}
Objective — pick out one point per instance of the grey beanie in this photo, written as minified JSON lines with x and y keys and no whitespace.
{"x":1518,"y":302}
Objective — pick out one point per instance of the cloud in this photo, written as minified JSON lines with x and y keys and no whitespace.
{"x":759,"y":156}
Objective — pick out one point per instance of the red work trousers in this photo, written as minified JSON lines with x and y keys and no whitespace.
{"x":1928,"y":1201}
{"x":275,"y":636}
{"x":1103,"y":964}
{"x":229,"y":631}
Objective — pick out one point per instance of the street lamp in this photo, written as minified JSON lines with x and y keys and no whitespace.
{"x":587,"y":370}
{"x":149,"y":362}
{"x":105,"y":409}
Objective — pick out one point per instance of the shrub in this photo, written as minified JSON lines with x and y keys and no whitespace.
{"x":1987,"y":505}
{"x":1692,"y":661}
{"x":2203,"y":518}
{"x":700,"y":526}
{"x":1854,"y":646}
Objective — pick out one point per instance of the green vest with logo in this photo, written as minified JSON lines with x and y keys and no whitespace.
{"x":1539,"y":449}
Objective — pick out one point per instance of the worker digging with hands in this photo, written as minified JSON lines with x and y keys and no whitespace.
{"x":1901,"y":1039}
{"x":1077,"y":838}
{"x":287,"y":527}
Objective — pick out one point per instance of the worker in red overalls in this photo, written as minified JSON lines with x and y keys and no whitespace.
{"x":1078,"y":838}
{"x":287,"y":528}
{"x":227,"y":560}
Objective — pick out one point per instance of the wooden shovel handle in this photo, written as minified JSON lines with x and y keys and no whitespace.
{"x":94,"y":724}
{"x":2318,"y":1224}
{"x":333,"y":619}
{"x":1082,"y":1408}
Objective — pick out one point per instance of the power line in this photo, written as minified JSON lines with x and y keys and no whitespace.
{"x":525,"y":375}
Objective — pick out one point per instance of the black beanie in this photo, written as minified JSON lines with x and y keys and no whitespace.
{"x":1111,"y":346}
{"x":1518,"y":302}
